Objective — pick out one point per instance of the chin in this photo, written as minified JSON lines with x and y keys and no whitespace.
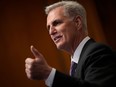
{"x":61,"y":46}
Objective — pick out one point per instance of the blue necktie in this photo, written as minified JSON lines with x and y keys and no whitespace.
{"x":72,"y":68}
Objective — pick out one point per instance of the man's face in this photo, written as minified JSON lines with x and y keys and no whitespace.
{"x":62,"y":29}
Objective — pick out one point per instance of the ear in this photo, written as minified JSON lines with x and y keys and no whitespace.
{"x":78,"y":22}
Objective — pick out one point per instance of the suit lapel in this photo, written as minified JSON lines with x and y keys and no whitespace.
{"x":85,"y":51}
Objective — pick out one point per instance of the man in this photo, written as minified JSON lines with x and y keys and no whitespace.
{"x":66,"y":24}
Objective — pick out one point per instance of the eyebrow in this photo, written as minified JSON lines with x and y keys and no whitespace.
{"x":54,"y":22}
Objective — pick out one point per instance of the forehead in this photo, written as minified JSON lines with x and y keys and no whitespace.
{"x":55,"y":14}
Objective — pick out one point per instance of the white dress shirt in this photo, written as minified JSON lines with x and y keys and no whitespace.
{"x":75,"y":58}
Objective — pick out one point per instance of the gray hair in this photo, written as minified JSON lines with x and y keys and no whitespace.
{"x":72,"y":9}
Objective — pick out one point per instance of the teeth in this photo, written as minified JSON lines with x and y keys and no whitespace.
{"x":56,"y":38}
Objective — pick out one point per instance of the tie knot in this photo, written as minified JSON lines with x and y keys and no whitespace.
{"x":72,"y":68}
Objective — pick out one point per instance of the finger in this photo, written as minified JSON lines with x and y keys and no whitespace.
{"x":28,"y":73}
{"x":29,"y":60}
{"x":35,"y":52}
{"x":28,"y":66}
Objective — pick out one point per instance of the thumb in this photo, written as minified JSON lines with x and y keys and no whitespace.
{"x":35,"y":51}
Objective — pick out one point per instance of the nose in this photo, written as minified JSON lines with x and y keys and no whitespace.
{"x":52,"y":31}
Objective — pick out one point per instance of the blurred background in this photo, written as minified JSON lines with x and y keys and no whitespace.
{"x":23,"y":23}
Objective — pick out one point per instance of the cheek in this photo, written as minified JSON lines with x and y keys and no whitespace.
{"x":68,"y":32}
{"x":70,"y":35}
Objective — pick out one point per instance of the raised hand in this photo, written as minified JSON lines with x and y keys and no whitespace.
{"x":37,"y":68}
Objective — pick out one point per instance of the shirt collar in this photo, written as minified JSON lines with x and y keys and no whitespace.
{"x":76,"y":55}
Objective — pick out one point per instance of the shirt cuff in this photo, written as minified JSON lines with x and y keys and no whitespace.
{"x":49,"y":80}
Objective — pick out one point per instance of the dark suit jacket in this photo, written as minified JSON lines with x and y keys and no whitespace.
{"x":96,"y":68}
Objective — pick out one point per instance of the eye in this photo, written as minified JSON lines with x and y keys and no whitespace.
{"x":57,"y":22}
{"x":54,"y":24}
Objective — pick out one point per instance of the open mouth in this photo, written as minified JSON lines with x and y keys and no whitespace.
{"x":57,"y":38}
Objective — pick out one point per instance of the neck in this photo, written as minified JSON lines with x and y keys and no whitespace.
{"x":76,"y":43}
